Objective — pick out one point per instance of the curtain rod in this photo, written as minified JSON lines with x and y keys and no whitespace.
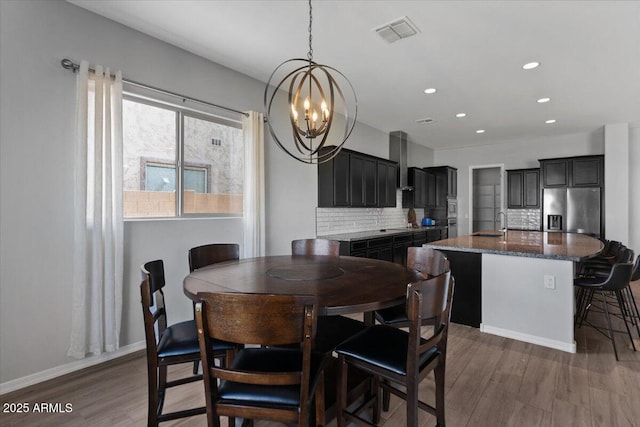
{"x":70,"y":65}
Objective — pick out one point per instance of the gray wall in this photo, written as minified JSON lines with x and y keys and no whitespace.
{"x":36,"y":186}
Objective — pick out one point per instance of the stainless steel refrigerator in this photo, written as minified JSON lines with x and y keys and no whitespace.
{"x":572,"y":210}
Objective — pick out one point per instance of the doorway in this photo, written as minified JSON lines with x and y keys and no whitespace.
{"x":487,"y":183}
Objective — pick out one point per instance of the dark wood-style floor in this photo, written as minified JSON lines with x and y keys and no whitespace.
{"x":491,"y":381}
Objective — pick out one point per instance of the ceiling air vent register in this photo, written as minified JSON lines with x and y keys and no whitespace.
{"x":398,"y":29}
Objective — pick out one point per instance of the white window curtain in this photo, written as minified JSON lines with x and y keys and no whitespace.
{"x":98,"y":250}
{"x":253,"y":195}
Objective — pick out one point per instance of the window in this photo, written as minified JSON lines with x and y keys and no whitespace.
{"x":179,"y":162}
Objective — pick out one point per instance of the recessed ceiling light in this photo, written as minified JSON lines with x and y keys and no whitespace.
{"x":550,"y":121}
{"x":461,"y":115}
{"x":530,"y":65}
{"x":430,"y":90}
{"x":480,"y":131}
{"x":543,"y":100}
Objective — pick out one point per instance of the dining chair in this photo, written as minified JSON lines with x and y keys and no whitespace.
{"x":213,"y":253}
{"x":204,"y":255}
{"x":426,"y":261}
{"x":265,"y":382}
{"x":396,"y":357}
{"x":169,"y":345}
{"x":332,"y":330}
{"x":315,"y":247}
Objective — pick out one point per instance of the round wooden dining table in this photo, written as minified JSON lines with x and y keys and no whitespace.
{"x":341,"y":285}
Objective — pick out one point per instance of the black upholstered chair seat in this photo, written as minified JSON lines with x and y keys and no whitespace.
{"x":182,"y":338}
{"x":591,"y":282}
{"x":334,"y":330}
{"x":384,"y":346}
{"x":268,"y":360}
{"x":392,"y":315}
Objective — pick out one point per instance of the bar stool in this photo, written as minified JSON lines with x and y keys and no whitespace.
{"x":615,"y":283}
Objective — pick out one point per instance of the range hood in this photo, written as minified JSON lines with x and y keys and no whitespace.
{"x":398,"y":153}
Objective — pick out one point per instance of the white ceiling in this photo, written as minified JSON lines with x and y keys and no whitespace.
{"x":471,"y":51}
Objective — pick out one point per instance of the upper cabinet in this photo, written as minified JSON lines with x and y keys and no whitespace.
{"x":444,"y":186}
{"x":583,"y":171}
{"x":362,"y":181}
{"x":387,"y":183}
{"x":353,"y":179}
{"x":523,"y":189}
{"x":416,"y":198}
{"x":587,"y":171}
{"x":452,"y":182}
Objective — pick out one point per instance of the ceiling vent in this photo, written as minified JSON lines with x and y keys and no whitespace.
{"x":425,"y":121}
{"x":398,"y":29}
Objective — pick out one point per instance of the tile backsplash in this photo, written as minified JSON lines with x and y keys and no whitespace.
{"x":526,"y":219}
{"x":346,"y":220}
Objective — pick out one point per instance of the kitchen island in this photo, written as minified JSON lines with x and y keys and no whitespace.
{"x":519,"y":286}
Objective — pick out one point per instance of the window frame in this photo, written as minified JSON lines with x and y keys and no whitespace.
{"x":180,"y":113}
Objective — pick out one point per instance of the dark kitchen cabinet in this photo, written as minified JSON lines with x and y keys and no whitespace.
{"x":416,"y":197}
{"x":430,"y":190}
{"x":441,"y":189}
{"x":392,"y":247}
{"x":387,"y":184}
{"x":444,"y":186}
{"x":400,"y":245}
{"x":362,"y":178}
{"x":587,"y":171}
{"x":333,"y":182}
{"x":523,"y":188}
{"x":452,"y":182}
{"x":351,"y":180}
{"x":582,"y":171}
{"x":555,"y":173}
{"x":377,"y":248}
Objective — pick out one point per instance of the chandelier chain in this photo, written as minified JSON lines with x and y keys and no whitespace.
{"x":310,"y":53}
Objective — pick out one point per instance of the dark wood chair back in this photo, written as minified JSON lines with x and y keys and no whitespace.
{"x":264,"y":320}
{"x":154,"y":311}
{"x":204,"y":255}
{"x":430,"y":300}
{"x":240,"y":318}
{"x":315,"y":247}
{"x":429,"y":262}
{"x":162,"y":349}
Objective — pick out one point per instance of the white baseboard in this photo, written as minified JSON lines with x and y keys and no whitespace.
{"x":533,"y":339}
{"x":68,"y":368}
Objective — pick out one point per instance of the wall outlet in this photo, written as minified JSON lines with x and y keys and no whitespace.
{"x":549,"y":281}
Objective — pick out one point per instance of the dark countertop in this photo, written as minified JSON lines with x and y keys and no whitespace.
{"x":372,"y":234}
{"x":533,"y":244}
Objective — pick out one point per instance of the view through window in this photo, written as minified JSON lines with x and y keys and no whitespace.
{"x":178,"y":162}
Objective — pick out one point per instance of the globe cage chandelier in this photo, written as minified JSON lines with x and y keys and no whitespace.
{"x":311,"y":108}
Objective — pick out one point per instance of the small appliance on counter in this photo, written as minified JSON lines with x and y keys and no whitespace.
{"x":426,"y":222}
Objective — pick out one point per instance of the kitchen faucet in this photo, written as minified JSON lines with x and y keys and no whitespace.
{"x":504,"y":230}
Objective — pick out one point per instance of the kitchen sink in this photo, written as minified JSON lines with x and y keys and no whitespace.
{"x":481,"y":234}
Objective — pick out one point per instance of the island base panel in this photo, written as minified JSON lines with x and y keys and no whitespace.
{"x":516,"y":302}
{"x":466,"y":268}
